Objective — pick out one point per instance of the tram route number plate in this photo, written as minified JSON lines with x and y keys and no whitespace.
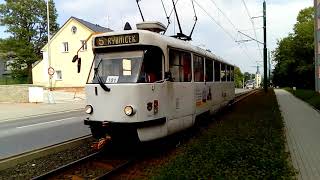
{"x":117,"y":39}
{"x":112,"y":79}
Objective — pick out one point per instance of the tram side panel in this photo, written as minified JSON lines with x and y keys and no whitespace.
{"x":180,"y":106}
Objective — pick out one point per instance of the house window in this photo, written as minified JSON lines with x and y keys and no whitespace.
{"x":73,"y":29}
{"x":84,"y":46}
{"x":7,"y":65}
{"x":65,"y":47}
{"x":59,"y":75}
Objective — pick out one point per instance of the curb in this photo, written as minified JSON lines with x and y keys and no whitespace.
{"x":27,"y":156}
{"x":40,"y":115}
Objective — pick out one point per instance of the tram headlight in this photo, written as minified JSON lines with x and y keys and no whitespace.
{"x":89,"y":109}
{"x":129,"y":111}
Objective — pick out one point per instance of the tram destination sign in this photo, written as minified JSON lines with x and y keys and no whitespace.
{"x":117,"y":39}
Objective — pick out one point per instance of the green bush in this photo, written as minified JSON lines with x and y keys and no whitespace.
{"x":310,"y":96}
{"x":10,"y":81}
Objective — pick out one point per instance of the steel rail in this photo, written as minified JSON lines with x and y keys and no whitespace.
{"x":64,"y":167}
{"x":37,"y":153}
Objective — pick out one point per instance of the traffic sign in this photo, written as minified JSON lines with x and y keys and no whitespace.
{"x":51,"y":71}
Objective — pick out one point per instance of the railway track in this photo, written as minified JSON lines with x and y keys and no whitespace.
{"x":99,"y":165}
{"x":105,"y":163}
{"x":243,"y":96}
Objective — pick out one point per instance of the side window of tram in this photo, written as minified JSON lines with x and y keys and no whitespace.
{"x":232,"y":73}
{"x":228,"y":73}
{"x":151,"y":70}
{"x":217,"y":71}
{"x":209,"y":70}
{"x":223,"y":73}
{"x":180,"y":66}
{"x":198,"y":66}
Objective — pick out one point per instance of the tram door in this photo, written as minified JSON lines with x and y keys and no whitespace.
{"x":180,"y":91}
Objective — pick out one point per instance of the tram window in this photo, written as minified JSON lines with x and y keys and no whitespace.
{"x":151,"y":69}
{"x":228,"y":73}
{"x":198,"y":66}
{"x":217,"y":71}
{"x":223,"y":73}
{"x":232,"y":73}
{"x":209,"y":70}
{"x":180,"y":66}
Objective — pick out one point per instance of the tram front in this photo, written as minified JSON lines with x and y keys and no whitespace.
{"x":125,"y":88}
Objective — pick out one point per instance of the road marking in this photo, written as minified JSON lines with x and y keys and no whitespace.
{"x":39,"y":124}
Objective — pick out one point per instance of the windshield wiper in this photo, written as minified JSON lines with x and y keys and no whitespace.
{"x":96,"y":73}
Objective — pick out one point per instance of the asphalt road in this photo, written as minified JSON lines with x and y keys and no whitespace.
{"x":28,"y":134}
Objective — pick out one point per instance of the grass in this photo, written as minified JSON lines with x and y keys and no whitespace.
{"x":247,"y":142}
{"x":10,"y":81}
{"x":310,"y":96}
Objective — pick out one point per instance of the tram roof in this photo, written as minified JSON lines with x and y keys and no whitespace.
{"x":156,"y":39}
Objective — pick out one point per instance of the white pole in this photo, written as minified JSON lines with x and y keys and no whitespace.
{"x":50,"y":97}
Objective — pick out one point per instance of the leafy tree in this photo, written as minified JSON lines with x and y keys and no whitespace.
{"x":248,"y":76}
{"x":295,"y":54}
{"x":25,"y":20}
{"x":238,"y":77}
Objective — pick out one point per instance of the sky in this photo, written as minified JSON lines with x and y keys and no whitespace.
{"x":217,"y":28}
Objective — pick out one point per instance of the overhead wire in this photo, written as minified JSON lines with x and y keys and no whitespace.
{"x":215,"y":4}
{"x":224,"y":29}
{"x":168,"y":17}
{"x":253,"y":26}
{"x":216,"y":22}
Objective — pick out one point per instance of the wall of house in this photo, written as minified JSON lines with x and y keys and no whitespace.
{"x":40,"y":73}
{"x":62,"y":61}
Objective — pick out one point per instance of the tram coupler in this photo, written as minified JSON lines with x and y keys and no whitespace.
{"x":98,"y":145}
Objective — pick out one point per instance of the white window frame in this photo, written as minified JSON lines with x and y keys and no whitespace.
{"x":59,"y":78}
{"x":85,"y":46}
{"x":65,"y":47}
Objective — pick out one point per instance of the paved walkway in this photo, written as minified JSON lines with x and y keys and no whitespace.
{"x":303,"y":134}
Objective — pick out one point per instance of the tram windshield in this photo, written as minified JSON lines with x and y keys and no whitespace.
{"x":126,"y":67}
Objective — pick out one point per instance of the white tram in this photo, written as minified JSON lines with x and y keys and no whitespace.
{"x":144,"y":85}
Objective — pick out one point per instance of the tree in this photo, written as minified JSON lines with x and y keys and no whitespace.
{"x":295,"y":54}
{"x":25,"y":20}
{"x":238,"y":77}
{"x":248,"y":76}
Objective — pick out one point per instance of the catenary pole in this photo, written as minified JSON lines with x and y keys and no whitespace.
{"x":316,"y":46}
{"x":50,"y":97}
{"x":48,"y":29}
{"x":269,"y":65}
{"x":265,"y":50}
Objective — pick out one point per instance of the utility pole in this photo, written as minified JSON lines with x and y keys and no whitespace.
{"x":269,"y":62}
{"x":316,"y":39}
{"x":50,"y":96}
{"x":265,"y":50}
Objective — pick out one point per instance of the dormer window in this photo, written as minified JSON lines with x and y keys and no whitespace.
{"x":74,"y":30}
